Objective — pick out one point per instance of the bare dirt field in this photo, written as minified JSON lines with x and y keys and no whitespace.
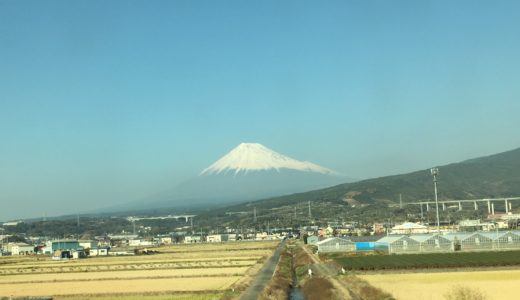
{"x":207,"y":270}
{"x":496,"y":285}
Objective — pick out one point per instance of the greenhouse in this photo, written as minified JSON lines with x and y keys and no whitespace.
{"x":433,"y":243}
{"x":336,"y":244}
{"x":509,"y":240}
{"x":454,"y":241}
{"x":504,"y":239}
{"x":400,"y":244}
{"x":474,"y":241}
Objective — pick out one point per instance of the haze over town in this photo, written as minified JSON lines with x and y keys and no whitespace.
{"x":110,"y":103}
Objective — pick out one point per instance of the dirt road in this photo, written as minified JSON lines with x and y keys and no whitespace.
{"x":263,"y":276}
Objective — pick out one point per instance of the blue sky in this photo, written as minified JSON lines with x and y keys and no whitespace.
{"x":111,"y":101}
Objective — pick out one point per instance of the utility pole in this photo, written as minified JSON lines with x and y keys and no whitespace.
{"x":310,"y":215}
{"x":434,"y":172}
{"x":400,"y":200}
{"x":254,"y":215}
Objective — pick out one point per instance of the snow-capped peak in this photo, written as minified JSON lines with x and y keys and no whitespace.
{"x":256,"y":157}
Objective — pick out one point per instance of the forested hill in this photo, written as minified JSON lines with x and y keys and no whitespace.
{"x":491,"y":176}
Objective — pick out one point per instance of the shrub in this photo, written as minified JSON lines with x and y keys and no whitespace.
{"x":459,"y":292}
{"x":318,"y":288}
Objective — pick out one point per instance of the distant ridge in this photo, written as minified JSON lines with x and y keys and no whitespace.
{"x":490,"y":176}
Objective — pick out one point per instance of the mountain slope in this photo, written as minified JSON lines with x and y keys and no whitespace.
{"x":249,"y":172}
{"x":491,"y":176}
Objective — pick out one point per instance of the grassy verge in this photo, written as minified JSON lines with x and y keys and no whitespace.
{"x":363,"y":290}
{"x":428,"y":260}
{"x":280,"y":285}
{"x":319,"y":288}
{"x":180,"y":296}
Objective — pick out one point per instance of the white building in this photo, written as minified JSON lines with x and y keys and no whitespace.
{"x":137,"y":242}
{"x":12,"y":223}
{"x":88,"y":244}
{"x":166,"y":240}
{"x":409,"y":228}
{"x":188,"y":239}
{"x":20,"y":248}
{"x":214,"y":238}
{"x":98,"y":252}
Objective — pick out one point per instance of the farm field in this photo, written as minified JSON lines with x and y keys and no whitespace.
{"x":202,"y":271}
{"x":428,"y":260}
{"x":496,"y":285}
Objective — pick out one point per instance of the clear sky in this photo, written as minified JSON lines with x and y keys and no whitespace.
{"x":107,"y":102}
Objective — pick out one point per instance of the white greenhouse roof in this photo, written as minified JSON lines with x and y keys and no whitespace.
{"x":424,"y":237}
{"x":332,"y":239}
{"x":391,"y":238}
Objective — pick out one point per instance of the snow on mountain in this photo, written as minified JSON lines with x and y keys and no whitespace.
{"x":256,"y":157}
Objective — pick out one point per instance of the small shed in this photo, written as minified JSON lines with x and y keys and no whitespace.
{"x":433,"y":243}
{"x":336,"y":244}
{"x":400,"y":244}
{"x":188,"y":239}
{"x":101,"y":251}
{"x":214,"y":238}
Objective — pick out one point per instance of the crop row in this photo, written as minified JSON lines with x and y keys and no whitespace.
{"x":94,"y":268}
{"x":430,"y":260}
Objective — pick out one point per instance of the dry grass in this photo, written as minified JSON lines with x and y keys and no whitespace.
{"x":459,"y":292}
{"x":119,"y":286}
{"x":232,"y":246}
{"x":502,"y":284}
{"x":160,"y":296}
{"x":280,"y":285}
{"x":319,"y":288}
{"x":204,"y":269}
{"x":96,"y":265}
{"x":364,"y":290}
{"x":146,"y":274}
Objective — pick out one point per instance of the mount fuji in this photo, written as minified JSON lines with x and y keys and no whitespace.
{"x":256,"y":157}
{"x":249,"y":172}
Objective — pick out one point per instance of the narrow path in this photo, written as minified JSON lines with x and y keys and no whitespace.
{"x":263,"y":276}
{"x":321,"y":269}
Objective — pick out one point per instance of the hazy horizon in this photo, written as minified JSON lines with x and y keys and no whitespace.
{"x":108,"y":103}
